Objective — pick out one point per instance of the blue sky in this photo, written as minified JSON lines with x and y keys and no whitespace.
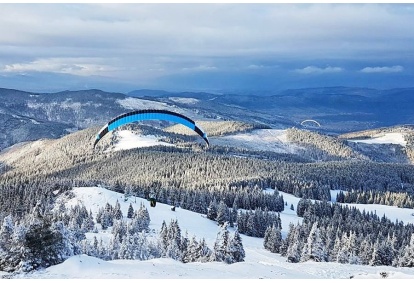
{"x":205,"y":47}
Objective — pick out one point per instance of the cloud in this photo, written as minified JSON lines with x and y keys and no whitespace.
{"x":73,"y":66}
{"x":200,"y":68}
{"x":317,"y":70}
{"x":393,"y":69}
{"x":144,"y":42}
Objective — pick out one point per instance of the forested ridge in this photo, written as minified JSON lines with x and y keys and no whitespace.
{"x":221,"y":179}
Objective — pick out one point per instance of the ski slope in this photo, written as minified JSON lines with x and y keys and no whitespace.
{"x":259,"y":263}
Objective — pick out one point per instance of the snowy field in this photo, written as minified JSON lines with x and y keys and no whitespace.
{"x":128,"y":140}
{"x":264,"y":139}
{"x":259,"y":263}
{"x":388,"y":138}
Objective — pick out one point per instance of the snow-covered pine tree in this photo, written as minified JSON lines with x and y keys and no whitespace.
{"x":46,"y":244}
{"x":163,"y":238}
{"x":407,"y":260}
{"x":222,"y":213}
{"x":143,"y":249}
{"x":365,"y":252}
{"x":141,"y":219}
{"x":343,"y":252}
{"x":204,"y":253}
{"x":130,"y":213}
{"x":119,"y":229}
{"x":174,"y":240}
{"x":190,"y":254}
{"x":212,"y":210}
{"x":114,"y":247}
{"x":103,"y":251}
{"x":127,"y":247}
{"x":235,"y":251}
{"x":6,"y":232}
{"x":116,"y":212}
{"x":273,"y":239}
{"x":220,"y":245}
{"x":314,"y":248}
{"x":379,"y":254}
{"x":294,"y":249}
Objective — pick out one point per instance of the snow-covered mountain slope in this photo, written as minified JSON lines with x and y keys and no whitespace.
{"x":264,"y":139}
{"x":259,"y":263}
{"x":128,"y":140}
{"x":386,"y":138}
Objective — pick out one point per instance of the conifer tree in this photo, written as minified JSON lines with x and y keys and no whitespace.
{"x":222,"y":213}
{"x":130,"y":213}
{"x":220,"y":245}
{"x":314,"y":248}
{"x":204,"y":253}
{"x":235,"y":251}
{"x":212,"y":210}
{"x":407,"y":260}
{"x":116,"y":212}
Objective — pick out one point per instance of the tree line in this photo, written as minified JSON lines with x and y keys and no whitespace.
{"x":331,"y":232}
{"x":43,"y":238}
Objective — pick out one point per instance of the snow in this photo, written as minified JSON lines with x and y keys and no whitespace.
{"x":133,"y":103}
{"x":128,"y":140}
{"x":391,"y":212}
{"x":259,"y":263}
{"x":334,"y":193}
{"x":264,"y":139}
{"x":20,"y":150}
{"x":388,"y":138}
{"x":184,"y":100}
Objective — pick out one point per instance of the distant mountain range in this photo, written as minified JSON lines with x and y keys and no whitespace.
{"x":337,"y":109}
{"x":30,"y":116}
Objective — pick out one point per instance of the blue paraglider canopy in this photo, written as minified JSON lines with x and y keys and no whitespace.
{"x":142,"y":115}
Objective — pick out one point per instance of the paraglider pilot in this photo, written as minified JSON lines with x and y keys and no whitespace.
{"x":152,"y":199}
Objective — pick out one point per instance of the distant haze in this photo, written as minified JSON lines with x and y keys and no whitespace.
{"x":205,"y":47}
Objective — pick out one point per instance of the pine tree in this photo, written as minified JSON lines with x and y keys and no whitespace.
{"x":379,"y":254}
{"x":127,"y":247}
{"x":212,"y":210}
{"x":119,"y":229}
{"x":46,"y":244}
{"x":141,"y":219}
{"x":293,"y":253}
{"x":407,"y":260}
{"x":116,"y":212}
{"x":130,"y":213}
{"x":314,"y":248}
{"x":114,"y":247}
{"x":222,"y":213}
{"x":343,"y":252}
{"x":190,"y":255}
{"x":235,"y":251}
{"x":204,"y":253}
{"x":163,"y":236}
{"x":143,"y":249}
{"x":220,"y":245}
{"x":365,"y":253}
{"x":174,"y":240}
{"x":6,"y":232}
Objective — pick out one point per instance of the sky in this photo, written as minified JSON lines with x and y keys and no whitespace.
{"x":218,"y":47}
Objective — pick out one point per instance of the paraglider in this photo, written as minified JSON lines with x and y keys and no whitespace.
{"x":314,"y":122}
{"x":154,"y":114}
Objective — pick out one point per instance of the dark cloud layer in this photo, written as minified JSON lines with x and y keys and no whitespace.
{"x":207,"y":46}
